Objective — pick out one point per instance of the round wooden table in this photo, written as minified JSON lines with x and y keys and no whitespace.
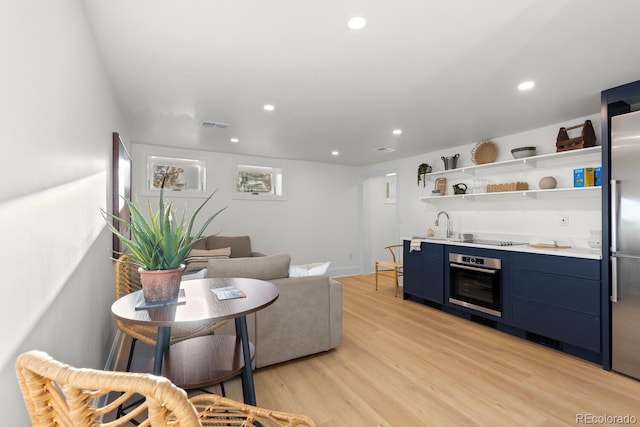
{"x":205,"y":360}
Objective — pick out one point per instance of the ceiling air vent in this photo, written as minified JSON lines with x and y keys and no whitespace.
{"x":385,"y":149}
{"x":210,"y":124}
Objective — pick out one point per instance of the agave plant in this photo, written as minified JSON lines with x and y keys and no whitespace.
{"x":163,"y":242}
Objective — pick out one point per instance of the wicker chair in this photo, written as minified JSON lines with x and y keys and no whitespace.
{"x":57,"y":394}
{"x":127,"y":280}
{"x":396,"y":268}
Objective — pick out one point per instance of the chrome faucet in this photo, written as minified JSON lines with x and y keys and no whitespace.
{"x":449,"y":232}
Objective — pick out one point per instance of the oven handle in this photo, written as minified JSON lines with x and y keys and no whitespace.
{"x":467,"y":267}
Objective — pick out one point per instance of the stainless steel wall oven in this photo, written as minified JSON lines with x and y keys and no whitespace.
{"x":475,"y":283}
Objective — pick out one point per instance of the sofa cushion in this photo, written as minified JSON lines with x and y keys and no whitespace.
{"x":315,"y":269}
{"x":197,"y":259}
{"x":240,"y":245}
{"x":264,"y":268}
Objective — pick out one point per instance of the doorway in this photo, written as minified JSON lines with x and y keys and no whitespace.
{"x":379,"y":225}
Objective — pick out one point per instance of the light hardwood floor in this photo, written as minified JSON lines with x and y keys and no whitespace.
{"x":405,"y":364}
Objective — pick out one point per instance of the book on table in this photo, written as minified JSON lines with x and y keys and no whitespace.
{"x":228,"y":292}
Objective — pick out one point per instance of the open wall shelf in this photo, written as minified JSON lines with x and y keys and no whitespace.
{"x":592,"y":155}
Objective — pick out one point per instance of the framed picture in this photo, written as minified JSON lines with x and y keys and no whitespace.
{"x":259,"y":182}
{"x":183,"y":175}
{"x":390,"y":188}
{"x":121,"y":172}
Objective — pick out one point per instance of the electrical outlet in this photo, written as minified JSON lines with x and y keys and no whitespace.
{"x":564,"y":220}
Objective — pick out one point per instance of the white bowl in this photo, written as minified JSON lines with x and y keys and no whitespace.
{"x":521,"y":152}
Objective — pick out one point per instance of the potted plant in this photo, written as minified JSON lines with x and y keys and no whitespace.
{"x":159,"y":246}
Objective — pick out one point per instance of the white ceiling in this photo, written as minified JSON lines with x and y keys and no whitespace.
{"x":445,"y":72}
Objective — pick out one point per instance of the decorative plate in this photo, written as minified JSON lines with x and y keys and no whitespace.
{"x":484,"y":152}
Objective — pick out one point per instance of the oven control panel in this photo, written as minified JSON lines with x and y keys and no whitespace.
{"x":478,"y":261}
{"x":472,"y":260}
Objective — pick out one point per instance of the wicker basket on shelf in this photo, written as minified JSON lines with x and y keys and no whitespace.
{"x":510,"y":186}
{"x":484,"y":152}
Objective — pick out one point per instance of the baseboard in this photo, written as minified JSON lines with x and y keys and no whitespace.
{"x":344,"y":271}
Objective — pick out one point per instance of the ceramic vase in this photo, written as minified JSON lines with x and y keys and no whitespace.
{"x":547,"y":182}
{"x":161,"y":285}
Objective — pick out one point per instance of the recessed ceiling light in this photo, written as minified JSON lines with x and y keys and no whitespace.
{"x":269,"y":107}
{"x":528,"y":85}
{"x":397,"y":131}
{"x":357,"y":23}
{"x":335,"y":153}
{"x":235,"y":140}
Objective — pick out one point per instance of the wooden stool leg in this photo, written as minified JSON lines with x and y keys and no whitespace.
{"x":376,"y":276}
{"x":395,"y":270}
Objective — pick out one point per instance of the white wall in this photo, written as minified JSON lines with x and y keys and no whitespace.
{"x":539,"y":218}
{"x":316,"y":222}
{"x":57,"y":113}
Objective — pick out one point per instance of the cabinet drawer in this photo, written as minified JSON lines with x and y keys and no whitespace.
{"x":573,"y":328}
{"x":573,"y":294}
{"x":560,"y":265}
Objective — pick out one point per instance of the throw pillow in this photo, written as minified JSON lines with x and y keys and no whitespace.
{"x":315,"y":269}
{"x":197,"y":259}
{"x":264,"y":268}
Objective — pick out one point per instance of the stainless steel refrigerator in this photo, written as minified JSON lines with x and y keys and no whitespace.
{"x":625,"y":244}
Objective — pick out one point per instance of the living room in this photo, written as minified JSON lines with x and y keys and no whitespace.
{"x":59,"y":111}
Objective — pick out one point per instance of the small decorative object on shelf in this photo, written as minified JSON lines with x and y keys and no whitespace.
{"x":586,"y":139}
{"x":423,"y":170}
{"x":511,"y":186}
{"x":522,"y":152}
{"x":460,"y":188}
{"x":584,"y":177}
{"x":547,"y":183}
{"x":441,"y":186}
{"x":484,"y":152}
{"x":450,"y":162}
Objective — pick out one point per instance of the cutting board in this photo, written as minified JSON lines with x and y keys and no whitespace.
{"x":549,"y":246}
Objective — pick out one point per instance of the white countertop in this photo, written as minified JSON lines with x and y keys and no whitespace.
{"x":576,"y":252}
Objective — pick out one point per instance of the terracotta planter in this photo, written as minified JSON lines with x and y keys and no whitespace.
{"x":161,"y":285}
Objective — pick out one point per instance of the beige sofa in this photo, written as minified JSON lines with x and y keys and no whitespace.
{"x":240,"y":245}
{"x":213,"y":247}
{"x":305,"y":319}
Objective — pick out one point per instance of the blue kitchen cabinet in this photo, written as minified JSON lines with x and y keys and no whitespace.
{"x":557,"y":297}
{"x":424,"y":272}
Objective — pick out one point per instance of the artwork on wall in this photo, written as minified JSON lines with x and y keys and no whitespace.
{"x":121,"y":172}
{"x":257,"y":182}
{"x":184,"y":175}
{"x":390,"y":188}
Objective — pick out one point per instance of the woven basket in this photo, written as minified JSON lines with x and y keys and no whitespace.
{"x":511,"y":186}
{"x":484,"y":152}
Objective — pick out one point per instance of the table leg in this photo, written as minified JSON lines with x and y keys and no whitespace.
{"x":162,"y":345}
{"x":248,"y":389}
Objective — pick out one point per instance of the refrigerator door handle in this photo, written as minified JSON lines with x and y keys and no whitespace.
{"x":614,"y":215}
{"x":614,"y":279}
{"x":614,"y":241}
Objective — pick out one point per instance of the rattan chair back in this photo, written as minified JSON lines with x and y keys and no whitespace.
{"x":127,"y":277}
{"x":57,"y":394}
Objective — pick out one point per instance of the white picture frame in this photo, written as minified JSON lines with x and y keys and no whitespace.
{"x":390,"y":180}
{"x":184,"y":176}
{"x":258,"y":182}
